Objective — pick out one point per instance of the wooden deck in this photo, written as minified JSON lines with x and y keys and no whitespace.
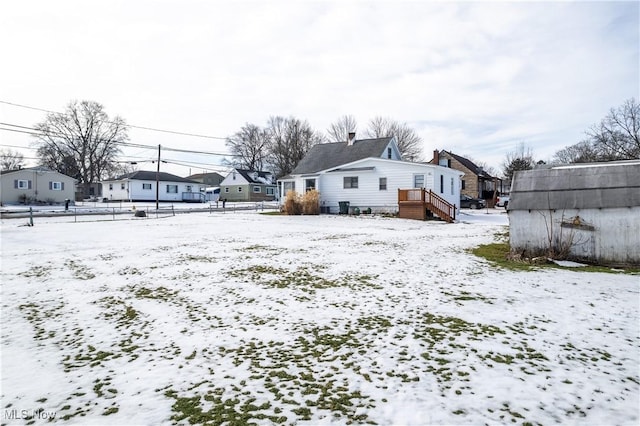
{"x":420,"y":203}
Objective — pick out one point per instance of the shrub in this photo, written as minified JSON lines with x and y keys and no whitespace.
{"x":311,"y":202}
{"x":292,"y":204}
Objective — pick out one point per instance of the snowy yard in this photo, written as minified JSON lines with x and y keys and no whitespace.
{"x":249,"y":318}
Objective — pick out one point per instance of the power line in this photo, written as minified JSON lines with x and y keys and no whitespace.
{"x":37,"y":132}
{"x":127,"y":125}
{"x":18,"y":146}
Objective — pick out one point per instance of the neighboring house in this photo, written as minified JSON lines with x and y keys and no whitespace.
{"x":366,"y":173}
{"x":248,"y":185}
{"x":476,"y":182}
{"x":208,"y":179}
{"x":141,"y":186}
{"x":590,"y":212}
{"x":36,"y":185}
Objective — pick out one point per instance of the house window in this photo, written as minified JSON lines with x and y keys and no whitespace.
{"x":442,"y":184}
{"x":110,"y":187}
{"x":122,"y":185}
{"x":226,"y":190}
{"x":382,"y":184}
{"x":350,"y":181}
{"x":172,"y":189}
{"x":418,"y":181}
{"x":257,"y":190}
{"x":451,"y":186}
{"x":309,"y":185}
{"x":270,"y":190}
{"x":239,"y":189}
{"x":146,"y":186}
{"x":188,"y":188}
{"x":288,"y":186}
{"x":463,"y":184}
{"x":56,"y":186}
{"x":22,"y":184}
{"x":389,"y":152}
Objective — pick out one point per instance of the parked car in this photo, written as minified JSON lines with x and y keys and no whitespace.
{"x":467,"y":202}
{"x":503,"y":201}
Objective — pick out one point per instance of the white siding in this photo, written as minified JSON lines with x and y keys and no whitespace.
{"x":116,"y":193}
{"x":399,"y":175}
{"x":134,"y":190}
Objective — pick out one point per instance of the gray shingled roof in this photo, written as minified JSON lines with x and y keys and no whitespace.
{"x":327,"y":155}
{"x":598,"y":185}
{"x":147,"y":175}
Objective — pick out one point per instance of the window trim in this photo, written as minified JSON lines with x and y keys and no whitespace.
{"x":350,"y":182}
{"x":170,"y":188}
{"x":145,"y":188}
{"x":382,"y":186}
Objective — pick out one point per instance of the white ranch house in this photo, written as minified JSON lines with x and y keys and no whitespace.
{"x":141,"y":186}
{"x":367,"y":174}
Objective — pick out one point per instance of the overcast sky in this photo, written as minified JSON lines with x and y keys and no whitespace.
{"x":475,"y":78}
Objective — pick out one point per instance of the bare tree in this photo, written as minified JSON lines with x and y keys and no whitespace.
{"x":409,"y":143}
{"x":10,"y":159}
{"x":339,"y":130}
{"x":289,"y":140}
{"x":582,"y":152}
{"x":249,"y":145}
{"x":519,"y":159}
{"x":617,"y":136}
{"x":82,"y":142}
{"x":120,"y":168}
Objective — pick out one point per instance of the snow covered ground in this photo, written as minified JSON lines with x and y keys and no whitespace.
{"x":212,"y":317}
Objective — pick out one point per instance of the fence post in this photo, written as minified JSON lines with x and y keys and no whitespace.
{"x":75,"y":214}
{"x":114,"y":213}
{"x":30,"y":216}
{"x":172,"y":210}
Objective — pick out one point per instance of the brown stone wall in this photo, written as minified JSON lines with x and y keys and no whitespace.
{"x":470,"y":178}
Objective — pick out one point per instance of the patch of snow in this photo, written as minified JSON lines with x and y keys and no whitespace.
{"x":319,"y":319}
{"x":567,"y":263}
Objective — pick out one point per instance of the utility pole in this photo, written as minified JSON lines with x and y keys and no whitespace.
{"x":158,"y":180}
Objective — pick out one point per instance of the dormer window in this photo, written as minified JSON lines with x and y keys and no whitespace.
{"x":389,"y":152}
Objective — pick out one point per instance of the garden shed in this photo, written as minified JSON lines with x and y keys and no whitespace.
{"x":586,"y":212}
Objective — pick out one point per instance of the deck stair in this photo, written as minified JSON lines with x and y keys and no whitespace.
{"x":419,"y":203}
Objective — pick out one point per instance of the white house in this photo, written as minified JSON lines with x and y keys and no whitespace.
{"x":588,"y":212}
{"x":367,"y":174}
{"x":36,"y":185}
{"x":141,"y":186}
{"x":248,"y":185}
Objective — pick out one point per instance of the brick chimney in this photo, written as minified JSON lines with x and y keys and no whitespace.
{"x":351,"y":138}
{"x":436,"y":157}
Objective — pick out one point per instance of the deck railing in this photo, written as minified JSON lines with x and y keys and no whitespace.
{"x":431,"y":201}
